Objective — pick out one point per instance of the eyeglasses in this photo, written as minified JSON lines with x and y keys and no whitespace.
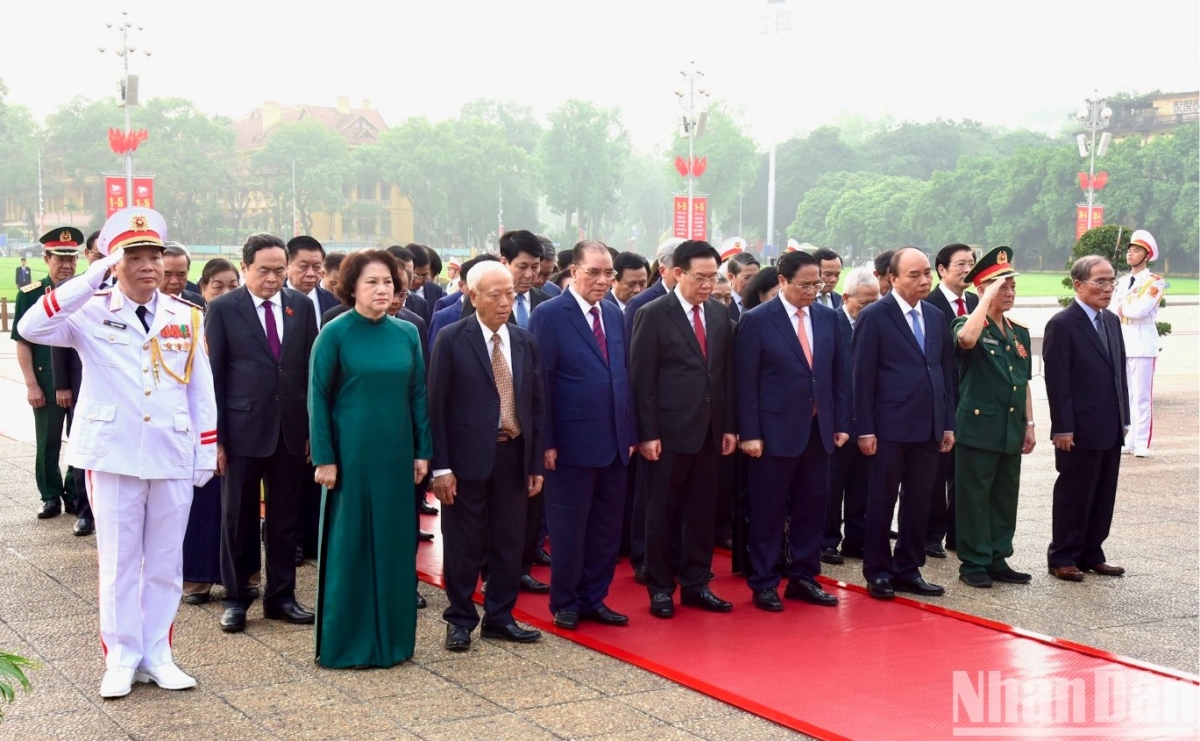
{"x":704,"y":280}
{"x":594,"y":273}
{"x":809,"y":286}
{"x":401,"y":294}
{"x":1103,"y":285}
{"x":963,"y":264}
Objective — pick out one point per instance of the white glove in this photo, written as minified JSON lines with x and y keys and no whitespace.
{"x":202,"y":477}
{"x":110,"y":260}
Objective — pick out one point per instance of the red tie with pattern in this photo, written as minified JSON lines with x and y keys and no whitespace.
{"x":962,"y":307}
{"x":699,"y":326}
{"x":598,"y":331}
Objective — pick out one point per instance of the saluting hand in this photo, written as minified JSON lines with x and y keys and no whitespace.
{"x":420,"y":468}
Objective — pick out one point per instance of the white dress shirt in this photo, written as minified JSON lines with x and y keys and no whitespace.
{"x":687,"y":310}
{"x":586,"y":308}
{"x":846,"y":311}
{"x":276,"y":307}
{"x":150,"y":305}
{"x":795,"y":316}
{"x":952,"y":298}
{"x":905,"y":308}
{"x":316,"y":302}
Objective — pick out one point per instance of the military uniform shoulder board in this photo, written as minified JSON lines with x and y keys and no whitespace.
{"x":30,"y":288}
{"x":185,"y":301}
{"x":105,"y":292}
{"x":1155,"y":276}
{"x":1015,"y":323}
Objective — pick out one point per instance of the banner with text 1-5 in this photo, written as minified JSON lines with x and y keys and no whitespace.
{"x":116,"y":199}
{"x":1081,"y":219}
{"x":698,"y":217}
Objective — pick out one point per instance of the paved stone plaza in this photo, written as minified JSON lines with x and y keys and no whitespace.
{"x":263,"y":683}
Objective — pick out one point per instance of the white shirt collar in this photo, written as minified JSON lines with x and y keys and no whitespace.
{"x":151,"y":305}
{"x":687,"y":305}
{"x":905,"y":307}
{"x":258,"y":300}
{"x":487,"y":331}
{"x":846,"y":311}
{"x":950,"y":296}
{"x":791,"y":309}
{"x":1091,"y":313}
{"x":584,"y":306}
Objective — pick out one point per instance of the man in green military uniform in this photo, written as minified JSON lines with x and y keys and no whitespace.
{"x":995,"y":423}
{"x":60,"y":251}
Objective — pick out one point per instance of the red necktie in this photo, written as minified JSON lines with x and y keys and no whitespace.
{"x":598,"y":332}
{"x":699,"y":326}
{"x":962,"y":307}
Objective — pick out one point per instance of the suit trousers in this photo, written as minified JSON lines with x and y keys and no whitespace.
{"x":941,"y":504}
{"x":848,"y":489}
{"x":681,"y":499}
{"x":139,"y":544}
{"x":48,"y":422}
{"x":535,"y":531}
{"x":76,"y":480}
{"x":282,"y":473}
{"x":487,"y":519}
{"x":913,"y":465}
{"x":1085,"y":494}
{"x":987,"y":484}
{"x":794,"y":490}
{"x":583,"y":513}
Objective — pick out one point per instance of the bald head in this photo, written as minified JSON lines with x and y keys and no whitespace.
{"x":911,"y":274}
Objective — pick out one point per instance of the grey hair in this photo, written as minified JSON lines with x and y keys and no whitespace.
{"x":864,"y":276}
{"x":482,"y":270}
{"x":666,"y":252}
{"x":1082,"y":268}
{"x":176,"y":249}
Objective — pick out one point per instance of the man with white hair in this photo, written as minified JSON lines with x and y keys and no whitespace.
{"x":1137,"y":298}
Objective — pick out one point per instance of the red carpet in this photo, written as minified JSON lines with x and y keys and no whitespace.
{"x":876,"y":670}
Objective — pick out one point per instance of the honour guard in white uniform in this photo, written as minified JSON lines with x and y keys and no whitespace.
{"x":1136,"y":301}
{"x":145,"y":431}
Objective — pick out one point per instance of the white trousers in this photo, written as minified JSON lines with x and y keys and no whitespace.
{"x":139,"y":542}
{"x":1141,"y":397}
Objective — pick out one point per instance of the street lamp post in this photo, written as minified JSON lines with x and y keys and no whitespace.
{"x":124,"y":50}
{"x":1094,"y":115}
{"x":692,"y":122}
{"x":776,"y":20}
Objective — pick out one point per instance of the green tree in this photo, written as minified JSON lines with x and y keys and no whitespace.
{"x":19,"y":140}
{"x":582,"y":158}
{"x":77,"y":149}
{"x":874,"y":217}
{"x":1032,"y":204}
{"x":732,"y":162}
{"x":322,"y":163}
{"x":646,"y":191}
{"x":812,"y":213}
{"x":954,"y":206}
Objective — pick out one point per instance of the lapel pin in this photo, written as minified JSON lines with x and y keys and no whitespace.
{"x":288,"y":311}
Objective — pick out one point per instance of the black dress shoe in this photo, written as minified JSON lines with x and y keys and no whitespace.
{"x":705,"y":600}
{"x":69,"y":507}
{"x":849,"y":551}
{"x":1009,"y":576}
{"x":289,"y":612}
{"x":809,"y":591}
{"x":605,"y":616}
{"x":421,"y":603}
{"x":424,"y":536}
{"x":233,"y":620}
{"x":639,"y":576}
{"x":935,"y":549}
{"x":251,"y":593}
{"x":566,"y":619}
{"x":529,"y":584}
{"x":662,"y":606}
{"x":831,"y":555}
{"x":880,"y":588}
{"x":299,"y":556}
{"x":919,"y":586}
{"x":50,"y":508}
{"x":977,"y":579}
{"x":84,"y":526}
{"x":510,"y":632}
{"x":196,"y":599}
{"x":426,"y":508}
{"x":458,"y":639}
{"x":541,"y":558}
{"x":768,"y":599}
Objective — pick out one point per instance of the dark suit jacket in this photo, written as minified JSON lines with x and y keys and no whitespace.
{"x":67,"y":370}
{"x":24,"y":276}
{"x":419,"y":306}
{"x":464,"y":406}
{"x":431,"y":292}
{"x":776,"y":385}
{"x":846,"y":336}
{"x":259,"y":398}
{"x":536,"y":297}
{"x":735,"y":311}
{"x":681,"y":398}
{"x":658,"y":290}
{"x":589,"y":405}
{"x":404,"y":314}
{"x":192,"y":298}
{"x":550,"y":289}
{"x":444,"y":301}
{"x":901,"y":394}
{"x":835,"y":298}
{"x":938,"y":299}
{"x":1086,"y":387}
{"x":443,"y":318}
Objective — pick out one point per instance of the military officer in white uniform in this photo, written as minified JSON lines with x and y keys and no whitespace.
{"x":145,"y":432}
{"x":1136,"y":301}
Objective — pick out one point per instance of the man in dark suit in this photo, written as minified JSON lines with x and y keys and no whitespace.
{"x":589,"y":434}
{"x":451,"y":309}
{"x":260,"y":338}
{"x":176,"y":265}
{"x":486,"y":410}
{"x":24,"y":274}
{"x":847,"y":465}
{"x":953,"y":263}
{"x":633,"y":272}
{"x":793,"y":411}
{"x":681,"y":363}
{"x":904,"y":416}
{"x":423,"y":283}
{"x":1088,"y":391}
{"x":68,"y":376}
{"x":831,"y":273}
{"x":742,"y":268}
{"x":549,"y":258}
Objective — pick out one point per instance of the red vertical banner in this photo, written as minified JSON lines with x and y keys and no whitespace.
{"x":143,"y":192}
{"x":681,"y":217}
{"x":700,"y":217}
{"x":1081,"y":219}
{"x":114,"y":195}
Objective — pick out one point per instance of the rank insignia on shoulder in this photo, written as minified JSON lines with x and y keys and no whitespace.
{"x":1019,"y":324}
{"x":30,"y":288}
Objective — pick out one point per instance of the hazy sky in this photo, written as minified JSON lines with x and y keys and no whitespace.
{"x":1019,"y":63}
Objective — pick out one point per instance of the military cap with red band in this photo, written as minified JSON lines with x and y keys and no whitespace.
{"x":64,"y":241}
{"x":132,"y":227}
{"x":997,"y":263}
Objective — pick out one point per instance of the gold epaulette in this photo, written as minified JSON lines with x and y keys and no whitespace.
{"x":30,"y":287}
{"x":105,"y":292}
{"x":185,"y":301}
{"x":1019,"y":324}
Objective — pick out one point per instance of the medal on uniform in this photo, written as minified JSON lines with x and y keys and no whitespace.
{"x":1021,"y":352}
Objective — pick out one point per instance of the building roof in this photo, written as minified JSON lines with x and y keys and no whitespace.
{"x":356,"y":125}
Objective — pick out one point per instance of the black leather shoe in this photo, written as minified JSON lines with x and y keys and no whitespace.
{"x":639,"y":576}
{"x":50,"y":508}
{"x":289,"y":612}
{"x":251,"y":593}
{"x":196,"y":599}
{"x":809,"y":591}
{"x":935,"y":549}
{"x":84,"y":526}
{"x":977,"y":579}
{"x":458,"y":639}
{"x":662,"y":606}
{"x":566,"y":619}
{"x":1010,"y":576}
{"x":510,"y":632}
{"x":69,"y":507}
{"x":849,"y":551}
{"x":233,"y":620}
{"x":426,"y":508}
{"x":881,"y":588}
{"x":529,"y":584}
{"x":768,"y":599}
{"x":421,"y":603}
{"x":831,"y":555}
{"x":541,"y":558}
{"x":919,"y":586}
{"x":299,"y":556}
{"x":705,"y":600}
{"x":605,"y":616}
{"x":424,"y":536}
